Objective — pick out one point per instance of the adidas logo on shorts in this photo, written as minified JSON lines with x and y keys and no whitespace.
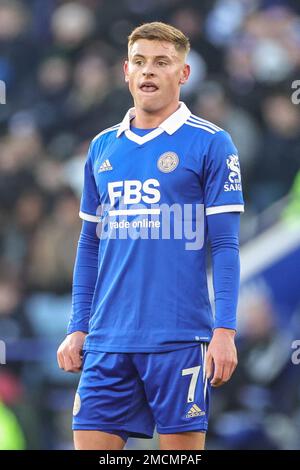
{"x":195,"y":411}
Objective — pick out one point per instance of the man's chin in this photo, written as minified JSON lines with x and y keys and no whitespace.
{"x":150,"y":105}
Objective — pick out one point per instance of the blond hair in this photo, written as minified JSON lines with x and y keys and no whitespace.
{"x":157,"y":31}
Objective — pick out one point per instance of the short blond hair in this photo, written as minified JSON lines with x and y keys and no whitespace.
{"x":157,"y":31}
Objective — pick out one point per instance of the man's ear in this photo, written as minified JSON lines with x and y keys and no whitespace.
{"x":125,"y":69}
{"x":185,"y":73}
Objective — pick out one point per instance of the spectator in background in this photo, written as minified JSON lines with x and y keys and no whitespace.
{"x":52,"y":249}
{"x":251,"y":413}
{"x":212,"y":104}
{"x":277,"y":160}
{"x":14,"y":326}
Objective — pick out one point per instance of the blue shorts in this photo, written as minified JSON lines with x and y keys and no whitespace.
{"x":129,"y":393}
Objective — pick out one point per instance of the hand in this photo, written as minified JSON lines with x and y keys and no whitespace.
{"x":69,"y":352}
{"x":221,"y":357}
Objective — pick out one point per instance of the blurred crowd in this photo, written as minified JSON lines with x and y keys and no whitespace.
{"x":61,"y":62}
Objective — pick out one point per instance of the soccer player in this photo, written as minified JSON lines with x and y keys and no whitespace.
{"x":158,"y":186}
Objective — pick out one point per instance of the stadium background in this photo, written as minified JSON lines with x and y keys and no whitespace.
{"x":62,"y":65}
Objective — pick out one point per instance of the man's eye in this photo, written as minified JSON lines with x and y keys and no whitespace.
{"x":162,"y":63}
{"x":138,"y":62}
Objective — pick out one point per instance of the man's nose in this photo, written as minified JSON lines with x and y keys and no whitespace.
{"x":147,"y":75}
{"x":148,"y":69}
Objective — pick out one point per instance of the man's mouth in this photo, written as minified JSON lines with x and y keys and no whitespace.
{"x":148,"y":87}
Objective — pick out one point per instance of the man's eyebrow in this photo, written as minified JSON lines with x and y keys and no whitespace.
{"x":156,"y":56}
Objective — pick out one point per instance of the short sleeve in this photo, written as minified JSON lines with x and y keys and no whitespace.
{"x":90,"y":201}
{"x":222,"y":176}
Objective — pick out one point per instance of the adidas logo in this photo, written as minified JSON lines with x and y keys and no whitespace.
{"x":106,"y":166}
{"x":195,"y":411}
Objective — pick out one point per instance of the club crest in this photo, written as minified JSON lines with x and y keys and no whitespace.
{"x":167,"y":162}
{"x":77,"y":404}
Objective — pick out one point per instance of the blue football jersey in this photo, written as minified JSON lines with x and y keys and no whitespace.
{"x":150,"y":193}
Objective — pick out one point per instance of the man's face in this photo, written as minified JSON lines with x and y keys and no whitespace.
{"x":154,"y":71}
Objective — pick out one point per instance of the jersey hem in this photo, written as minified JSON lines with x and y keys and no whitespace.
{"x":89,"y":346}
{"x":111,"y":427}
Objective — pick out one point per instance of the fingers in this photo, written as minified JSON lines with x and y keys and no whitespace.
{"x":75,"y":358}
{"x":223,"y":372}
{"x":68,"y":363}
{"x":69,"y":358}
{"x":209,"y":365}
{"x":60,"y":360}
{"x":214,"y":370}
{"x":217,"y":379}
{"x":218,"y":369}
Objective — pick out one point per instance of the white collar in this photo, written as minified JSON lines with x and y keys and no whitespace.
{"x":170,"y":125}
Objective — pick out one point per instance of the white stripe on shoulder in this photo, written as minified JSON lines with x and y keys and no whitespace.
{"x":105,"y":131}
{"x":199,"y":126}
{"x":205,"y":122}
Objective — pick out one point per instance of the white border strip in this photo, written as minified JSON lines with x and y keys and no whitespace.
{"x":134,"y":211}
{"x":204,"y":122}
{"x":105,"y":131}
{"x":199,"y":126}
{"x":220,"y":209}
{"x":145,"y":138}
{"x":88,"y":217}
{"x":204,"y":371}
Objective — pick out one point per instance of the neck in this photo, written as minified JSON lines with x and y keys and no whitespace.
{"x":148,"y":120}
